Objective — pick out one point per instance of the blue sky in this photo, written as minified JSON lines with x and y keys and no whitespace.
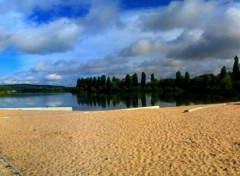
{"x":57,"y":41}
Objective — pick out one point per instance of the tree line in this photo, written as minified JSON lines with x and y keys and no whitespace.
{"x":222,"y":82}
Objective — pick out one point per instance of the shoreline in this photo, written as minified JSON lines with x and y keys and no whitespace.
{"x":147,"y":141}
{"x":38,"y":109}
{"x":117,"y":109}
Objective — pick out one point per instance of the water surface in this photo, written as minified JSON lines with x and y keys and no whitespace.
{"x":105,"y":102}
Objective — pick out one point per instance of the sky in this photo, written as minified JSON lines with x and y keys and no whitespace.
{"x":58,"y":41}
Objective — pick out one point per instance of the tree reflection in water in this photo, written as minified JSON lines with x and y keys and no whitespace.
{"x":133,"y":100}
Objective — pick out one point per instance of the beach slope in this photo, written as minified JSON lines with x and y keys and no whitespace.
{"x":164,"y":141}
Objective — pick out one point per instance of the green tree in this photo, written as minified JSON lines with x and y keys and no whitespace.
{"x":178,"y":75}
{"x":5,"y":91}
{"x":167,"y":84}
{"x":78,"y":83}
{"x":186,"y":80}
{"x":226,"y":82}
{"x":128,"y":81}
{"x":187,"y":77}
{"x":94,"y":83}
{"x":154,"y":82}
{"x":223,"y":72}
{"x":115,"y":82}
{"x":89,"y":82}
{"x":236,"y":68}
{"x":205,"y":81}
{"x":98,"y":83}
{"x":103,"y":81}
{"x":109,"y":83}
{"x":135,"y":80}
{"x":179,"y":79}
{"x":143,"y":80}
{"x":152,"y":78}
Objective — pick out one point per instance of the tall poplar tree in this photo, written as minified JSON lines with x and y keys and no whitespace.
{"x":143,"y":79}
{"x":178,"y":81}
{"x":128,"y":80}
{"x":109,"y":83}
{"x":236,"y":68}
{"x":152,"y":78}
{"x":135,"y":80}
{"x":187,"y":77}
{"x":103,"y":81}
{"x":223,"y":72}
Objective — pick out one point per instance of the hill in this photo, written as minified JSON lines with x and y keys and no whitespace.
{"x":27,"y":88}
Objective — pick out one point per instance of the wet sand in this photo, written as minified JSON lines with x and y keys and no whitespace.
{"x":164,"y":141}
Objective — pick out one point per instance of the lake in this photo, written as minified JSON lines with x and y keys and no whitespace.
{"x":106,"y":102}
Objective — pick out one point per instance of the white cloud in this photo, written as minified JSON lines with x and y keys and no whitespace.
{"x":142,"y":47}
{"x":100,"y":15}
{"x":219,"y":39}
{"x":58,"y":35}
{"x":54,"y":37}
{"x":53,"y":77}
{"x":179,"y":14}
{"x":56,"y":66}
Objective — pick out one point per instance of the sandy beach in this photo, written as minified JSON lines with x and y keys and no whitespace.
{"x":164,"y":141}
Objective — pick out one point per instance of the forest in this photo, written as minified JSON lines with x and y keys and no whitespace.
{"x":224,"y":82}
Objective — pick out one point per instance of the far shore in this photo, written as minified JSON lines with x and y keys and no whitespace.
{"x":187,"y":140}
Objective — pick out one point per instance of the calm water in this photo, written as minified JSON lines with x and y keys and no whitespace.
{"x":78,"y":102}
{"x":105,"y":102}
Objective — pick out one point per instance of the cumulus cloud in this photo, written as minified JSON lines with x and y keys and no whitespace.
{"x":56,"y":66}
{"x":110,"y":65}
{"x":53,"y":77}
{"x":4,"y":38}
{"x":100,"y":15}
{"x":142,"y":47}
{"x":208,"y":30}
{"x":54,"y":37}
{"x":219,"y":39}
{"x":179,"y":14}
{"x":19,"y":77}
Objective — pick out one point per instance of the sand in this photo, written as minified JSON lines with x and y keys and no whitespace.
{"x":5,"y":170}
{"x":164,"y":141}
